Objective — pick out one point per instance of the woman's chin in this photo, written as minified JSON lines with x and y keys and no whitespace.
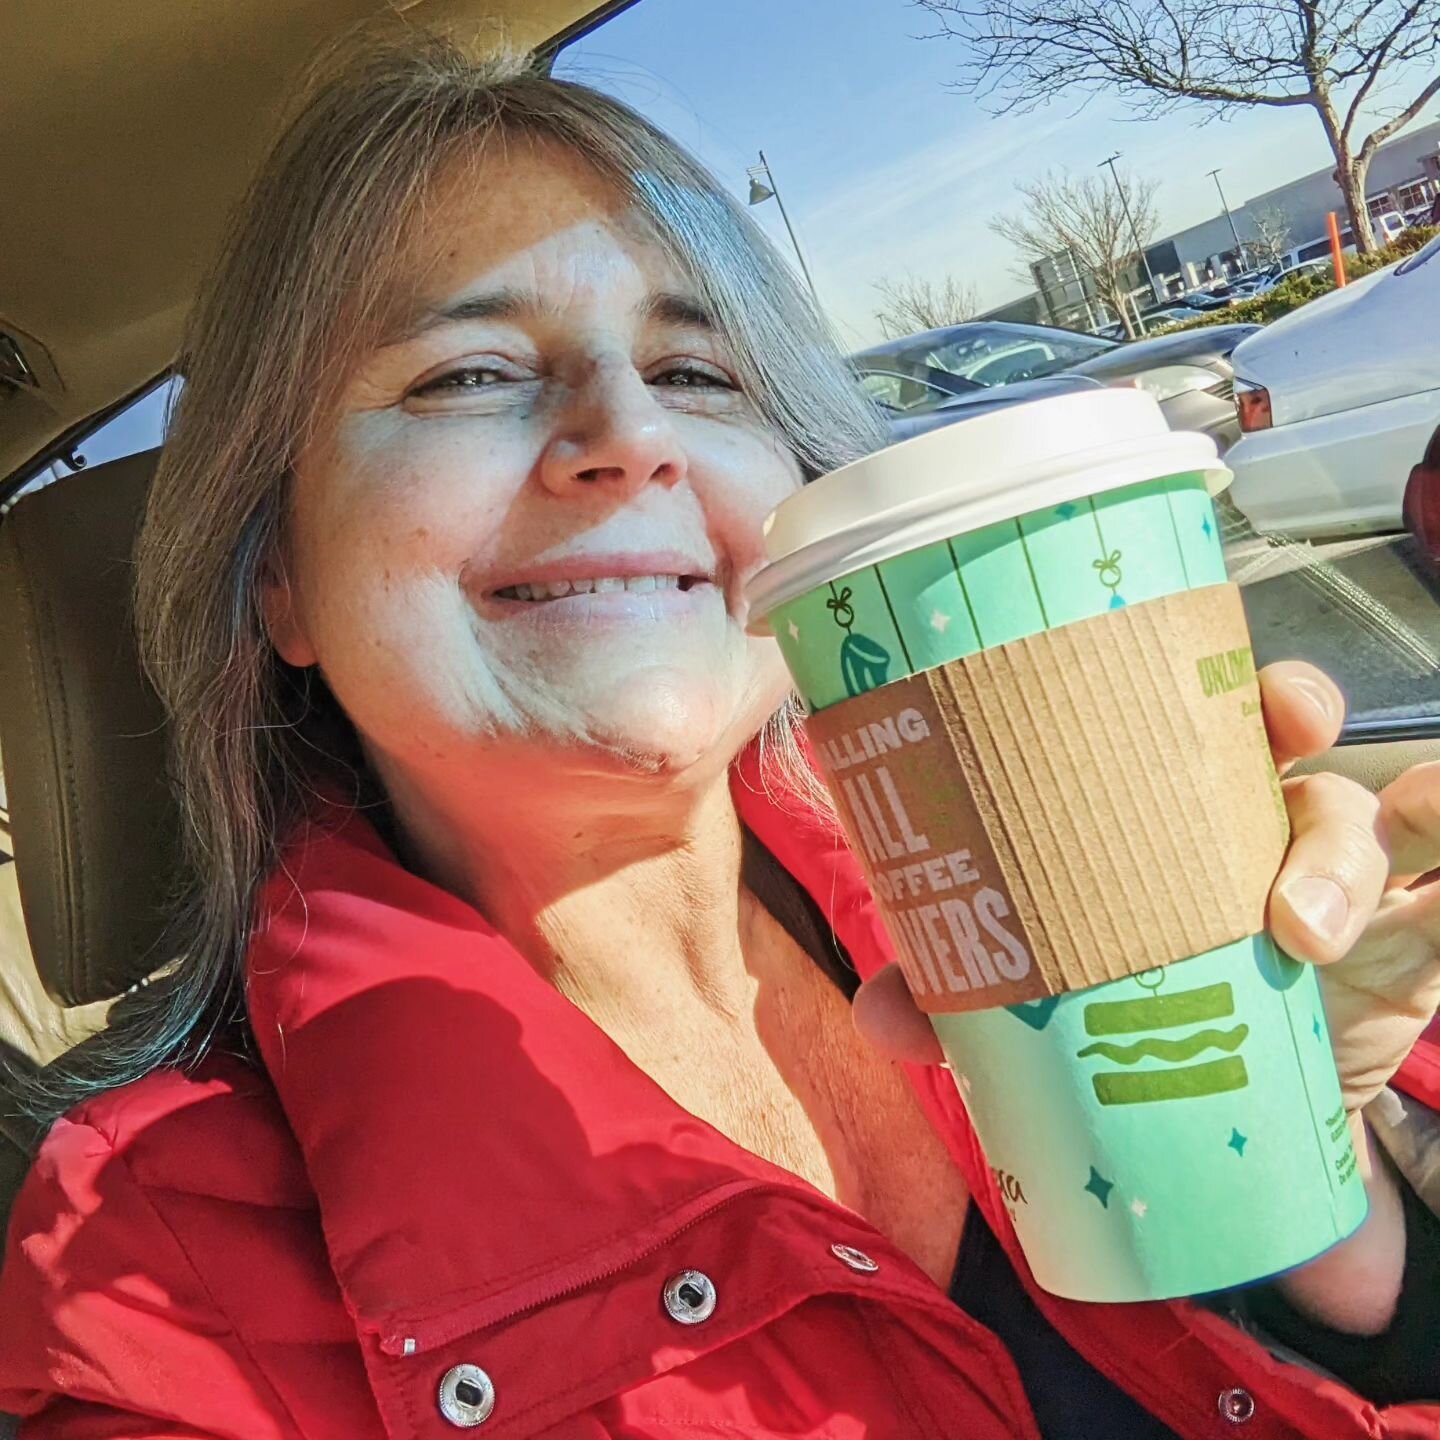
{"x":659,"y":728}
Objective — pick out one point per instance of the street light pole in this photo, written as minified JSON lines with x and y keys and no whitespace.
{"x":761,"y":192}
{"x":1134,"y":232}
{"x":1239,"y":246}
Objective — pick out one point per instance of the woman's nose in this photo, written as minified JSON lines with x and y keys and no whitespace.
{"x":614,"y":433}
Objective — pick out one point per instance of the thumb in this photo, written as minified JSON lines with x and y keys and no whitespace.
{"x":887,"y":1016}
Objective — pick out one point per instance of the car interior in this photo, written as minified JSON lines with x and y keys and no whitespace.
{"x":145,"y":119}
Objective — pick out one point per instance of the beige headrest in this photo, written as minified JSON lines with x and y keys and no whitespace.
{"x":94,"y":825}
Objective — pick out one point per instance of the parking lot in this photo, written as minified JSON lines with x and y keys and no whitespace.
{"x":1364,"y":610}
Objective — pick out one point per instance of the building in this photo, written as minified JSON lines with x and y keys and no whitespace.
{"x":1404,"y":178}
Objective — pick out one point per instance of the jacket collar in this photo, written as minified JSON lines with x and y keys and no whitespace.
{"x":406,"y":1038}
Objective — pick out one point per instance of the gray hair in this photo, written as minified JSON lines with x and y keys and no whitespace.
{"x":310,"y":276}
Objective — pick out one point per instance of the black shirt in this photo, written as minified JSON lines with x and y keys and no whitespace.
{"x":1071,"y":1399}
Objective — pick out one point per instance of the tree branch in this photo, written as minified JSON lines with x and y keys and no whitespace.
{"x":1160,"y":54}
{"x":1376,"y":60}
{"x":1377,"y":137}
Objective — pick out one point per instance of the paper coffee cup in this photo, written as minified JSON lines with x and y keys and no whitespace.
{"x":1032,"y":695}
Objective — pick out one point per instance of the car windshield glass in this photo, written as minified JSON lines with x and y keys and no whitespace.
{"x":904,"y":394}
{"x":1000,"y":354}
{"x":1365,"y":610}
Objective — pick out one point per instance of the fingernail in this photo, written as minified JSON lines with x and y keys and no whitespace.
{"x":1319,"y":902}
{"x":1320,"y":696}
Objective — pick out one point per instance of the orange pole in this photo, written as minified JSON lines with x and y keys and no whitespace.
{"x":1337,"y":254}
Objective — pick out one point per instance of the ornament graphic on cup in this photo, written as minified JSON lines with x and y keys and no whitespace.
{"x":864,"y":664}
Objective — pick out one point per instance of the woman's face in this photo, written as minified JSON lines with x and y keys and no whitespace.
{"x":535,"y":516}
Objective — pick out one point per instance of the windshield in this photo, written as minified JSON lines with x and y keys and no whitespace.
{"x":993,"y":354}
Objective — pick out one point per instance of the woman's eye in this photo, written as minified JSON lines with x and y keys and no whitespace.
{"x":464,"y":381}
{"x":692,"y":376}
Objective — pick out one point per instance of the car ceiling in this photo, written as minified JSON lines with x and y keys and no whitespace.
{"x":130,"y":129}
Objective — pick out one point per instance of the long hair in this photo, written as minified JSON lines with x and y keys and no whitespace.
{"x":313,"y":268}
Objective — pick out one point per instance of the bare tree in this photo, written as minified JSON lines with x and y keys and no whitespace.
{"x":1272,"y":228}
{"x":1086,"y":218}
{"x":909,"y":304}
{"x":1329,"y":55}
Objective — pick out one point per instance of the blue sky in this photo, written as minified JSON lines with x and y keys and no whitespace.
{"x":884,"y":170}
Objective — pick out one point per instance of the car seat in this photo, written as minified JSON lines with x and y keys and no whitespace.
{"x":92,"y":823}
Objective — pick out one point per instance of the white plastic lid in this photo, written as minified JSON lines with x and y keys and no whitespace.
{"x":965,"y":476}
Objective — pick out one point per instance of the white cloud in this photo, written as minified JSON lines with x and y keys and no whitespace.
{"x":928,"y":177}
{"x":923,"y":213}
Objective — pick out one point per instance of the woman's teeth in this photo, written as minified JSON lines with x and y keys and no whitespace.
{"x":605,"y":585}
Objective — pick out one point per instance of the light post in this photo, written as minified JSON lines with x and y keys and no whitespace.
{"x":762,"y":190}
{"x":1225,"y":205}
{"x":1134,"y":233}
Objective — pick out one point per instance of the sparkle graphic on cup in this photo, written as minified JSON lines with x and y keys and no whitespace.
{"x":1181,"y":1080}
{"x":863,"y":664}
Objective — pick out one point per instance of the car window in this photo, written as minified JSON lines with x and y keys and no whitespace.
{"x":1023,"y":363}
{"x":902,"y":393}
{"x":133,"y":428}
{"x":999,"y":354}
{"x":1367,"y":611}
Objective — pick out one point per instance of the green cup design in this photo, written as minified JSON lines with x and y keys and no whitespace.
{"x":864,"y":665}
{"x":1175,"y":1132}
{"x":1008,"y":580}
{"x":1184,"y":1075}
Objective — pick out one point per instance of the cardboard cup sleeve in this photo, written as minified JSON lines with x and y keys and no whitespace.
{"x":1083,"y":804}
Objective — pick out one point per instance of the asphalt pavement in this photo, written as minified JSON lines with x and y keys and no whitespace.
{"x":1367,"y":611}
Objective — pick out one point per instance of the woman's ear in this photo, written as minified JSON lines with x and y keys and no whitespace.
{"x":282,"y":622}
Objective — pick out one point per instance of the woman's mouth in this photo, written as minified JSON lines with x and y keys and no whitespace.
{"x":538,"y":590}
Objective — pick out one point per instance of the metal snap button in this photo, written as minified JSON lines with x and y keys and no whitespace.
{"x":855,"y":1259}
{"x":467,"y":1396}
{"x":689,"y":1297}
{"x":1237,"y":1405}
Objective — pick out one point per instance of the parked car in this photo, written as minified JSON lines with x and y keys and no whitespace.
{"x":1188,"y":373}
{"x":1176,"y":314}
{"x":1220,"y":297}
{"x":1271,"y":278}
{"x":919,"y":399}
{"x":1389,"y":226}
{"x":1247,"y":284}
{"x":1338,"y":401}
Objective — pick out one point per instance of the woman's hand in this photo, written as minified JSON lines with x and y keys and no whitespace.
{"x":1350,"y":897}
{"x":1346,"y":898}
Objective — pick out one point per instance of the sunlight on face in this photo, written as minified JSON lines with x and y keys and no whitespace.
{"x":536,"y":514}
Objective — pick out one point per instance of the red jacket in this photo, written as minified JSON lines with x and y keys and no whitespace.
{"x":448,"y":1165}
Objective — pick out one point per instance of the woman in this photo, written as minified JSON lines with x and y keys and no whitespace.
{"x":556,"y":1121}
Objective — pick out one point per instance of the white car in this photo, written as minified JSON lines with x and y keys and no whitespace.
{"x":1171,"y":315}
{"x":1338,"y":401}
{"x":1266,"y":283}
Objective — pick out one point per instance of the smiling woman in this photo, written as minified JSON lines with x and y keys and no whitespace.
{"x":373,"y":358}
{"x":567,"y":419}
